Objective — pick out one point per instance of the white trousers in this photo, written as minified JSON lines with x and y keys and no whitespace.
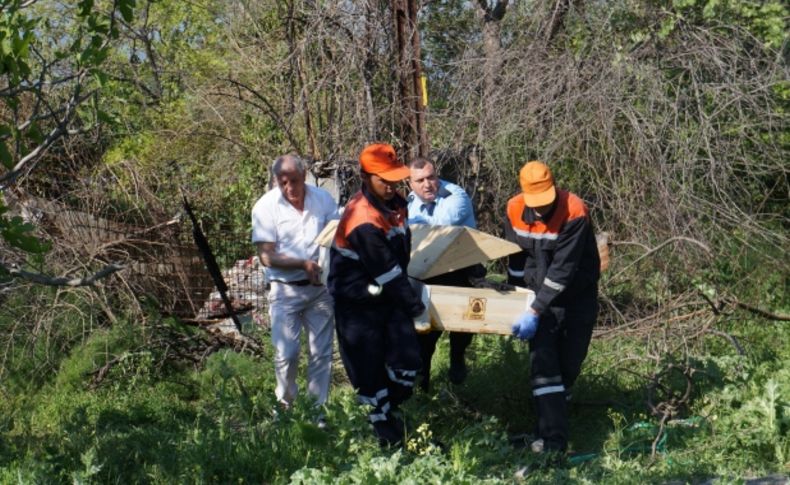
{"x":292,"y":308}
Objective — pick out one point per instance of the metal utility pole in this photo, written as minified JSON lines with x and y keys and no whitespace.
{"x":410,"y":87}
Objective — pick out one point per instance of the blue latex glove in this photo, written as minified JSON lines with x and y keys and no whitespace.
{"x":526,"y":326}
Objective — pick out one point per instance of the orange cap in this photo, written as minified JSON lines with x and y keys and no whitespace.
{"x":537,"y":184}
{"x":380,"y":159}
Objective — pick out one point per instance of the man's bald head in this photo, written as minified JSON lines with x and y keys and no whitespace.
{"x":289,"y":163}
{"x":290,"y":172}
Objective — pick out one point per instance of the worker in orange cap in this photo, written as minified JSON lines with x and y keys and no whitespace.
{"x":559,"y":262}
{"x":374,"y":302}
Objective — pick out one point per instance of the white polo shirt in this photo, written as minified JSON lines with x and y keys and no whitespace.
{"x":293,"y":233}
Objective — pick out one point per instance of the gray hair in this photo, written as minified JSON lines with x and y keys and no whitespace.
{"x":299,"y":163}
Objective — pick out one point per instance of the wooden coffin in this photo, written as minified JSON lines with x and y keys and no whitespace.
{"x":476,"y":310}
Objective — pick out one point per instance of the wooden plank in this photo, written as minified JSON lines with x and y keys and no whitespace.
{"x":440,"y":249}
{"x":468,"y":247}
{"x":477,"y":310}
{"x":428,"y":243}
{"x":326,"y":236}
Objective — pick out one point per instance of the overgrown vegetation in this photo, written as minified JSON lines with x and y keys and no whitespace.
{"x":669,"y":118}
{"x":150,"y":423}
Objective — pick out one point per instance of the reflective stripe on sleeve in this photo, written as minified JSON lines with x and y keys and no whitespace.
{"x":536,"y":235}
{"x":513,"y":272}
{"x":347,"y":253}
{"x":389,"y":275}
{"x":553,"y":284}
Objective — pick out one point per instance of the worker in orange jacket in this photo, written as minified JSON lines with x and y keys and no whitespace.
{"x":559,"y":261}
{"x":374,"y":302}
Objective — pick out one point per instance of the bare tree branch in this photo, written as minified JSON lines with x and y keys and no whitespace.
{"x":58,"y":131}
{"x":758,"y":311}
{"x":61,"y":280}
{"x":267,"y":108}
{"x":659,"y":247}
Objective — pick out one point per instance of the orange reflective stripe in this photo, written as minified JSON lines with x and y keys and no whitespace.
{"x":360,"y":211}
{"x":569,"y":207}
{"x":536,"y":230}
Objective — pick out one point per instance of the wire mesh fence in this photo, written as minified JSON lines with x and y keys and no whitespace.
{"x":242,"y":272}
{"x":162,"y":264}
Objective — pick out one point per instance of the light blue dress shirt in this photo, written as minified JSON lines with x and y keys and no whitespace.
{"x":452,"y":207}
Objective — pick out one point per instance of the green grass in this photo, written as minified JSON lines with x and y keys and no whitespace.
{"x":146,"y":424}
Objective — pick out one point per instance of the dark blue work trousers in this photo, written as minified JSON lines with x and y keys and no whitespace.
{"x":556,"y":355}
{"x":381,"y":355}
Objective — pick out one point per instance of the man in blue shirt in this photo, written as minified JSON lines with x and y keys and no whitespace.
{"x":440,"y":203}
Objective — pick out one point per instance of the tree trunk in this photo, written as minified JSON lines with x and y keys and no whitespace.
{"x":416,"y":69}
{"x":407,"y":45}
{"x":368,"y":71}
{"x":491,"y":17}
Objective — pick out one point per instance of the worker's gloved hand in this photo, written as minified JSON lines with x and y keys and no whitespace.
{"x":526,"y":325}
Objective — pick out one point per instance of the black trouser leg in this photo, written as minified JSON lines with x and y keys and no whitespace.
{"x":381,"y":359}
{"x":577,"y":324}
{"x":548,"y":391}
{"x":427,"y":348}
{"x":459,"y":341}
{"x":402,"y":356}
{"x":362,"y":351}
{"x":556,"y":355}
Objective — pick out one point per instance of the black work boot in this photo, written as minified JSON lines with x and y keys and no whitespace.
{"x":522,"y":440}
{"x":390,"y":431}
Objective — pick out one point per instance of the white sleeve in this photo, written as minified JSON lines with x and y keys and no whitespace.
{"x":264,"y":228}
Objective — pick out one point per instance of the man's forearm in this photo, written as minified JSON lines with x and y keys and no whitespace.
{"x":272,"y":259}
{"x":277,"y":260}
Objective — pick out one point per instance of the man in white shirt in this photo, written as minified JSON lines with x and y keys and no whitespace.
{"x":285,"y":223}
